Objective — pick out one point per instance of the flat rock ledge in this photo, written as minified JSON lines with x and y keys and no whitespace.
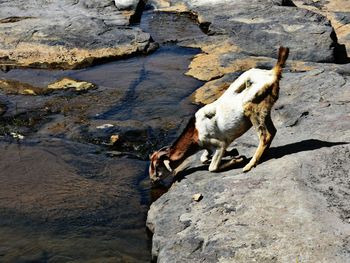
{"x":293,"y":207}
{"x":68,"y":34}
{"x":241,"y":34}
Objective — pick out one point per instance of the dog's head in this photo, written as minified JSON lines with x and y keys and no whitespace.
{"x":160,"y":165}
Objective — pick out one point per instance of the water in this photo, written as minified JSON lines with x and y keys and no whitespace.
{"x":65,"y":194}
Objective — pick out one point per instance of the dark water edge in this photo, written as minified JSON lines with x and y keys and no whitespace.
{"x":66,"y":194}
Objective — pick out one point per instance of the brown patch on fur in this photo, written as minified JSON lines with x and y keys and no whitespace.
{"x":281,"y":61}
{"x":259,"y":111}
{"x":185,"y":146}
{"x":187,"y":143}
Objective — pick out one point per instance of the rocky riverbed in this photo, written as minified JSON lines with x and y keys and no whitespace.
{"x":89,"y":88}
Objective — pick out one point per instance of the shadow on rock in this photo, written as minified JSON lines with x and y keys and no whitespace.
{"x":273,"y":153}
{"x":302,"y":146}
{"x":204,"y":167}
{"x":340,"y":54}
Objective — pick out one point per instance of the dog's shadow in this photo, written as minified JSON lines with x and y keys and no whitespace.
{"x":302,"y":146}
{"x":272,"y":153}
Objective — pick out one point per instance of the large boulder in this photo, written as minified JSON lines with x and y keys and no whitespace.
{"x":338,"y":12}
{"x":293,"y":207}
{"x":240,"y":29}
{"x":66,"y":34}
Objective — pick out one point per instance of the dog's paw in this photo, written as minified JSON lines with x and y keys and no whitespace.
{"x":248,"y":167}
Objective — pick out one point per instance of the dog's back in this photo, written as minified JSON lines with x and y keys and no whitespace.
{"x":225,"y":119}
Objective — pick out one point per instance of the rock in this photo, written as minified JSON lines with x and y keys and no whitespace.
{"x":67,"y":83}
{"x":212,"y":90}
{"x":114,"y":139}
{"x":16,"y":87}
{"x":283,"y":210}
{"x":17,"y":136}
{"x":66,"y":34}
{"x":209,"y":64}
{"x":197,"y":197}
{"x":338,"y":12}
{"x":244,"y":34}
{"x":105,"y":126}
{"x":126,"y":4}
{"x":22,"y":88}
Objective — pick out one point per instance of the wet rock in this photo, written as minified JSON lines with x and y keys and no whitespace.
{"x":17,"y":136}
{"x":17,"y":87}
{"x":114,"y":139}
{"x":105,"y":126}
{"x":66,"y":34}
{"x":67,"y":83}
{"x":22,"y":88}
{"x":283,"y":210}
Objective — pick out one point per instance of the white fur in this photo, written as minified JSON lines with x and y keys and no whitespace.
{"x":222,"y":121}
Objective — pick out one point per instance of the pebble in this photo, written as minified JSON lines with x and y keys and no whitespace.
{"x":105,"y":126}
{"x":197,"y":197}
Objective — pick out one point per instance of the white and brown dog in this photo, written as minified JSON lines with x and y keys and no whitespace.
{"x":246,"y":103}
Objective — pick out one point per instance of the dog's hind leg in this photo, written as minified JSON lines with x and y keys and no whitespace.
{"x":266,"y":132}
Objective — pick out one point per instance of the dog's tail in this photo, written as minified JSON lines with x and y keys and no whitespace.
{"x":283,"y":53}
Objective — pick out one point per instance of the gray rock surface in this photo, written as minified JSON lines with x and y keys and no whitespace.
{"x":126,"y":4}
{"x":293,"y":207}
{"x":256,"y":28}
{"x":338,"y":12}
{"x":67,"y":34}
